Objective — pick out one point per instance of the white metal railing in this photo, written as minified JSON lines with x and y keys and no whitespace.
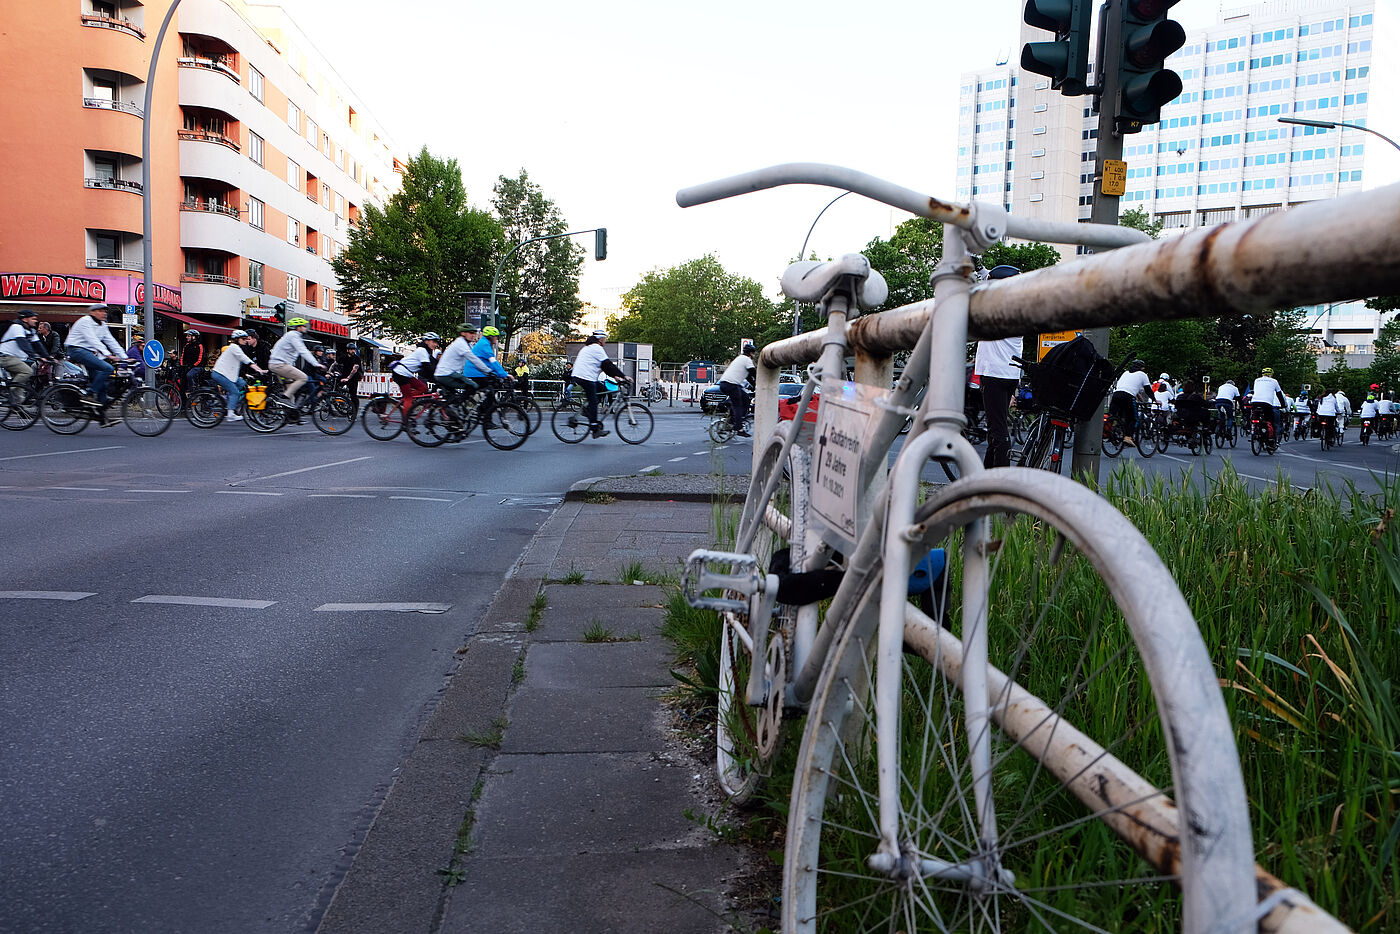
{"x":97,"y":263}
{"x":119,"y":184}
{"x":112,"y":22}
{"x":208,"y":277}
{"x":105,"y":103}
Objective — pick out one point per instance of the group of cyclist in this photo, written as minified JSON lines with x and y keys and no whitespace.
{"x":1195,"y":403}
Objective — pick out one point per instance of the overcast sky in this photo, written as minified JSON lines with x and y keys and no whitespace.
{"x":613,"y":105}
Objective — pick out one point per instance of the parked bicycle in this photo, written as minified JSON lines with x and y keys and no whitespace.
{"x":965,"y":755}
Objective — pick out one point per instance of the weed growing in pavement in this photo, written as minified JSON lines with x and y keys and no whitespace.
{"x":537,"y":608}
{"x":454,"y":872}
{"x":597,"y":632}
{"x":599,"y":498}
{"x":636,"y":571}
{"x":517,"y":671}
{"x":489,"y":738}
{"x":656,"y":472}
{"x":575,"y":576}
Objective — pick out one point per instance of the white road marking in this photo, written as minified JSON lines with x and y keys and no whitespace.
{"x":288,"y":473}
{"x":44,"y":595}
{"x":652,"y":467}
{"x":245,"y":493}
{"x":342,"y":495}
{"x":20,"y":457}
{"x":159,"y":491}
{"x":383,"y":607}
{"x":205,"y":601}
{"x":424,"y":499}
{"x":698,"y":453}
{"x":674,"y":459}
{"x":79,"y":489}
{"x":1317,"y":460}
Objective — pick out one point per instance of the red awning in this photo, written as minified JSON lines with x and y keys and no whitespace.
{"x":199,"y":325}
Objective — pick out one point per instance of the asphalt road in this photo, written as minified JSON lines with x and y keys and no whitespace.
{"x":216,"y":648}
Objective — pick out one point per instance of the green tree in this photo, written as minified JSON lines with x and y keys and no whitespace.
{"x":1024,"y":256}
{"x":540,"y":278}
{"x":694,"y":311}
{"x":1284,"y":346}
{"x":403,"y":266}
{"x":907,"y":259}
{"x":1138,"y":219}
{"x":1385,"y":368}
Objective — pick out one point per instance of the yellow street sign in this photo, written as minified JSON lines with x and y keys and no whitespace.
{"x":1050,"y":340}
{"x":1115,"y":177}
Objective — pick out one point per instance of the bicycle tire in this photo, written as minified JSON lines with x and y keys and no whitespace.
{"x":147,"y":412}
{"x":173,"y":393}
{"x":1146,"y":438}
{"x":62,"y":411}
{"x":505,"y":426}
{"x":568,"y":423}
{"x":720,"y":430}
{"x":1067,"y":802}
{"x":206,"y":409}
{"x":429,"y":423}
{"x":1112,"y":439}
{"x":265,"y":420}
{"x":634,"y":422}
{"x":531,"y":409}
{"x":21,"y":406}
{"x":334,"y":412}
{"x":382,"y":418}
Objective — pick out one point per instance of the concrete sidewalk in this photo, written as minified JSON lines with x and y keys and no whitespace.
{"x":550,"y":789}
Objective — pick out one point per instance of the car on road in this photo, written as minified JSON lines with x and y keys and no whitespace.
{"x":713,"y":399}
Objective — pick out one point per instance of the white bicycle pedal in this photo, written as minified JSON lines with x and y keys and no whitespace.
{"x":743,"y":576}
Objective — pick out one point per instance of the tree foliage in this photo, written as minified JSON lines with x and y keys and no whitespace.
{"x":1138,"y":219}
{"x":540,"y":278}
{"x":694,"y":311}
{"x":1385,"y":369}
{"x":403,"y":266}
{"x":1024,"y":256}
{"x":907,"y":259}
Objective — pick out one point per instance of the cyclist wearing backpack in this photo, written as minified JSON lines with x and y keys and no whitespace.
{"x":410,"y":371}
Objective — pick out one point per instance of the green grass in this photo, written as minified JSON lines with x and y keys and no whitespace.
{"x":488,"y":738}
{"x":537,"y":608}
{"x":637,"y":571}
{"x":1297,"y":596}
{"x":575,"y":576}
{"x":599,"y":499}
{"x":597,"y":632}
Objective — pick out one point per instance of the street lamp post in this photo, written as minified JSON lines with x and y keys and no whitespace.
{"x":802,"y":254}
{"x":1334,"y":124}
{"x":600,"y":253}
{"x":149,"y":319}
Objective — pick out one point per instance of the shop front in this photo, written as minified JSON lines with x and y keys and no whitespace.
{"x":60,"y":299}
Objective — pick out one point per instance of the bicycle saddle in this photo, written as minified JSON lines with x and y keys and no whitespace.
{"x":811,"y":280}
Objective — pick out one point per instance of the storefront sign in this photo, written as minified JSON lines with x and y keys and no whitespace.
{"x":329,"y":327}
{"x":42,"y":287}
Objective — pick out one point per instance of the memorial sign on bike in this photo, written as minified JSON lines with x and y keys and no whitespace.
{"x":837,"y":451}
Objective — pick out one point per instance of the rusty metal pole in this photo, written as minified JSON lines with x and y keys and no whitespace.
{"x":1088,"y":434}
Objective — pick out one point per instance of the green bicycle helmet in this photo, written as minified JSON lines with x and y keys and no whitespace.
{"x":298,"y":323}
{"x":490,"y":331}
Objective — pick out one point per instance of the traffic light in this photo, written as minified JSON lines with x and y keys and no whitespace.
{"x":281,"y":309}
{"x":1066,"y":60}
{"x":600,"y":244}
{"x":1144,"y":81}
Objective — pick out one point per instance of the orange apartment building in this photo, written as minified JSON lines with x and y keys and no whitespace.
{"x":261,"y":162}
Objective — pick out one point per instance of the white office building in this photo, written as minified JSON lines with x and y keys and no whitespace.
{"x":1219,"y":152}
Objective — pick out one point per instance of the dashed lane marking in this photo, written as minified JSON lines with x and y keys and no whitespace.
{"x":160,"y":491}
{"x":245,"y":493}
{"x":698,"y":453}
{"x":79,"y":489}
{"x":424,"y":499}
{"x":342,"y":496}
{"x":674,"y":459}
{"x":383,"y":607}
{"x":20,"y":457}
{"x":228,"y":602}
{"x":1318,"y":460}
{"x":44,"y":595}
{"x":652,"y":467}
{"x":288,"y":473}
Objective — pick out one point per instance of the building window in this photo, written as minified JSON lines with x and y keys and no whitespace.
{"x":294,"y":117}
{"x":325,"y":195}
{"x":293,"y":289}
{"x":1037,"y":197}
{"x":255,"y":213}
{"x":108,"y":252}
{"x":311,"y":131}
{"x":293,"y":174}
{"x":255,"y":275}
{"x":255,"y":148}
{"x":105,"y":168}
{"x":325,"y":299}
{"x":293,"y":234}
{"x":255,"y":83}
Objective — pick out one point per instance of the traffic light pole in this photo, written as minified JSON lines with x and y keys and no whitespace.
{"x":1088,"y":436}
{"x":600,"y":235}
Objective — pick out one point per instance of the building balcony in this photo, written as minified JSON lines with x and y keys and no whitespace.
{"x":204,"y":136}
{"x":96,"y":263}
{"x":213,"y":64}
{"x":117,"y":184}
{"x":102,"y":103}
{"x":209,"y":278}
{"x":111,"y":22}
{"x":213,"y":207}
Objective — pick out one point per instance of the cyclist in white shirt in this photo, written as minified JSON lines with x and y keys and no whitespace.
{"x":407,"y":373}
{"x":228,"y":369}
{"x":592,"y":361}
{"x":20,"y":345}
{"x":734,"y":383}
{"x":1344,"y":411}
{"x":1132,"y":385}
{"x":286,"y":353}
{"x":1327,"y":413}
{"x":1302,"y":414}
{"x":92,"y":345}
{"x":1267,"y":391}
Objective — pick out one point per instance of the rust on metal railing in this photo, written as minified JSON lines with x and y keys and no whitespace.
{"x":1323,"y":251}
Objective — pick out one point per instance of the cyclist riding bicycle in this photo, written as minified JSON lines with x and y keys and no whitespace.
{"x":191,"y":359}
{"x":737,"y":378}
{"x":592,"y":361}
{"x":1225,"y":398}
{"x":1132,"y":385}
{"x":92,"y":345}
{"x":1327,"y":414}
{"x":459,"y":368}
{"x":1267,"y":391}
{"x":228,"y":371}
{"x":286,"y":353}
{"x":20,"y":345}
{"x":406,"y":372}
{"x":485,"y":351}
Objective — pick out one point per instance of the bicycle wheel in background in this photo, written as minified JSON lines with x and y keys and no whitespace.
{"x":1039,"y":438}
{"x":21,"y":408}
{"x":634,"y":423}
{"x":173,"y":393}
{"x":206,"y":409}
{"x":62,"y":409}
{"x":334,"y":412}
{"x":265,"y":420}
{"x":1145,"y":439}
{"x":147,"y":411}
{"x":382,"y":418}
{"x":1112,"y":438}
{"x":568,"y":423}
{"x":505,"y":426}
{"x":429,"y":423}
{"x":531,"y":408}
{"x":1064,"y":720}
{"x":720,"y":429}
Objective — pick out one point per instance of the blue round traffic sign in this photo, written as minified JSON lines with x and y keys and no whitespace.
{"x":153,"y":354}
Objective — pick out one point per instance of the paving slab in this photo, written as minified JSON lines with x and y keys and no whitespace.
{"x":587,"y":598}
{"x":643,"y":891}
{"x":573,"y":665}
{"x":570,"y":625}
{"x":592,"y":720}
